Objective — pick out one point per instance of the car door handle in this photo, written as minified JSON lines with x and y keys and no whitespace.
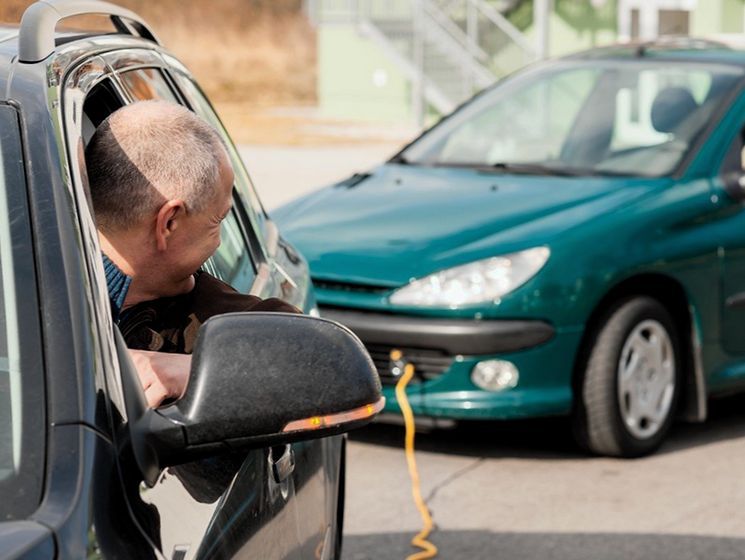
{"x":283,"y":467}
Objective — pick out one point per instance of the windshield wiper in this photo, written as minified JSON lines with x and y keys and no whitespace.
{"x":399,"y":158}
{"x":528,"y":168}
{"x":518,"y":168}
{"x":538,"y":169}
{"x":561,"y":171}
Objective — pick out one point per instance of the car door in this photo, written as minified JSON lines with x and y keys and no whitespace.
{"x":244,"y":505}
{"x":732,"y":241}
{"x":23,"y":417}
{"x":57,"y":479}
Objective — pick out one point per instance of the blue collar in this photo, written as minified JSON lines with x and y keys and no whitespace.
{"x":117,"y":284}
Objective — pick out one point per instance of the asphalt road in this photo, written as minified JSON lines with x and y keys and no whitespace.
{"x":281,"y":173}
{"x":521,"y":490}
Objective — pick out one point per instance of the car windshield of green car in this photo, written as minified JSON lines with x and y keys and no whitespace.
{"x":602,"y":117}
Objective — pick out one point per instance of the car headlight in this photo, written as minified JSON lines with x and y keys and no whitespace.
{"x":477,"y":282}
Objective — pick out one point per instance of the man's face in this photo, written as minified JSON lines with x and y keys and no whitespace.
{"x":197,"y":236}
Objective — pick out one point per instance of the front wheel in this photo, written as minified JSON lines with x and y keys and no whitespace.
{"x":628,"y":388}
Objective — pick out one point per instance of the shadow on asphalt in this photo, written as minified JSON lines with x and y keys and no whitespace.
{"x":484,"y":545}
{"x":547,"y":438}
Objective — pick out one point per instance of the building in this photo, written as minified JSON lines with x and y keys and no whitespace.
{"x":410,"y":60}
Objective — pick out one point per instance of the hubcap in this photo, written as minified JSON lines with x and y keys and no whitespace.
{"x":646,"y":379}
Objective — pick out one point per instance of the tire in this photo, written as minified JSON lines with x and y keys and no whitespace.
{"x":629,"y":385}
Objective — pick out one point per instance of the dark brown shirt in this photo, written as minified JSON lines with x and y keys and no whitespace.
{"x":171,"y":324}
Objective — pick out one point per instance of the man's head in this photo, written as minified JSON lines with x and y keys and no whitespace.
{"x":161,"y":183}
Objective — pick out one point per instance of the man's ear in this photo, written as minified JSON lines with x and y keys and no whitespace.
{"x":168,"y":219}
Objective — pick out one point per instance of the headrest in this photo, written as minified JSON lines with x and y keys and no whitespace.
{"x":671,"y":107}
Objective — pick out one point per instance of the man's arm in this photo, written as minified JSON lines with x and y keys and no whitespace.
{"x":163,"y":376}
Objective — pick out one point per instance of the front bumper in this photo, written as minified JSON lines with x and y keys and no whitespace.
{"x":455,"y":336}
{"x":444,"y":351}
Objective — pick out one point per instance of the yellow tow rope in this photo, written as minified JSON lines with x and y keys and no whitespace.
{"x":420,"y":540}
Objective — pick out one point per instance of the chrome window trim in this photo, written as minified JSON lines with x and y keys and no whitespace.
{"x":124,"y":60}
{"x":262,"y":285}
{"x":79,"y":80}
{"x":272,"y":239}
{"x":69,"y":55}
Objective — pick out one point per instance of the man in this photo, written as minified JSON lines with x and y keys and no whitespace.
{"x":161,"y":184}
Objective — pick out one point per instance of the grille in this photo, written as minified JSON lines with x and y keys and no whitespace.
{"x":428,"y":364}
{"x":347,"y":287}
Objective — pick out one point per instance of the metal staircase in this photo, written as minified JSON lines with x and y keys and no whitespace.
{"x":447,"y":49}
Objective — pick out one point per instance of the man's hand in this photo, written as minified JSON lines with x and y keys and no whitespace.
{"x":163,"y":376}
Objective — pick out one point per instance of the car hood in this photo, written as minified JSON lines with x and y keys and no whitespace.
{"x":401,"y":222}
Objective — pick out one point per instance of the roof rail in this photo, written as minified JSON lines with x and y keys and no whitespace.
{"x":39,"y":21}
{"x":679,"y":42}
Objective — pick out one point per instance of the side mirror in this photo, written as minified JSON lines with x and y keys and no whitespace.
{"x":258,"y":380}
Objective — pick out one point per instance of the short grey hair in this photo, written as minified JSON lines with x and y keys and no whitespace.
{"x":147,"y":153}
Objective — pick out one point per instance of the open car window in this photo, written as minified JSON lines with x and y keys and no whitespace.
{"x":232,"y":262}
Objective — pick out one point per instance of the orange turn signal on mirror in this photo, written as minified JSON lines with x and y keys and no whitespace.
{"x":316,"y":422}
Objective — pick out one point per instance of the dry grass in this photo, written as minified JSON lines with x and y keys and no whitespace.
{"x":300,"y":127}
{"x":250,"y":56}
{"x":253,"y":52}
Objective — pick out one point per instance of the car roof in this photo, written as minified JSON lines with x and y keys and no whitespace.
{"x":9,"y":40}
{"x":10,"y":37}
{"x":96,"y":41}
{"x":683,"y":49}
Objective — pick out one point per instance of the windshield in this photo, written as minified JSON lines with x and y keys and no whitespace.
{"x":627,"y":118}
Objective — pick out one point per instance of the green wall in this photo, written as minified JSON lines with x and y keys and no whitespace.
{"x":357,"y":80}
{"x":717,"y":16}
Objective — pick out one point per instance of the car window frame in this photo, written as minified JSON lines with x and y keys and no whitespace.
{"x":153,"y":61}
{"x":250,"y":241}
{"x":732,"y":138}
{"x":731,"y":161}
{"x":78,"y":83}
{"x":79,"y":80}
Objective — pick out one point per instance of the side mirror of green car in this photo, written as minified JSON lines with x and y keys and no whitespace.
{"x":734,"y":184}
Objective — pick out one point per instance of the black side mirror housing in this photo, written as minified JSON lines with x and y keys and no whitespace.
{"x":734,"y":184}
{"x":257,"y":380}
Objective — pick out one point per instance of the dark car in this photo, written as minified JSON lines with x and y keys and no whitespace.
{"x":249,"y":462}
{"x":569,"y":242}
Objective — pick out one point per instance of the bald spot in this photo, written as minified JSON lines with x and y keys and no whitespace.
{"x":147,"y":153}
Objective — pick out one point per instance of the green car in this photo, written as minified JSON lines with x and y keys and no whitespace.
{"x":569,"y":242}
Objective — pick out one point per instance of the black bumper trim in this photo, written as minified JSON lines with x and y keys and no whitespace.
{"x":455,"y":336}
